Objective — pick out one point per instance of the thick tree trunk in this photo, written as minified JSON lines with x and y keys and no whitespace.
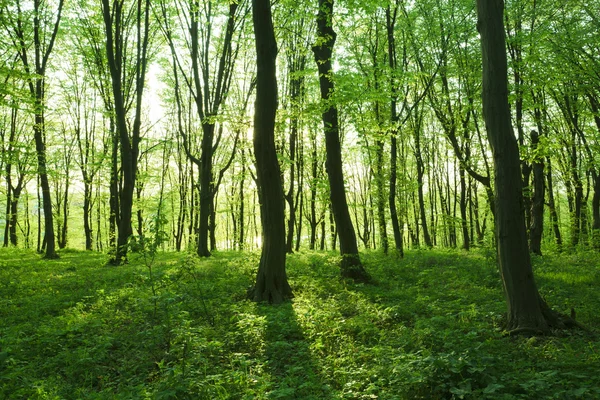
{"x":527,"y":311}
{"x":206,"y":177}
{"x":351,"y":266}
{"x":271,"y":280}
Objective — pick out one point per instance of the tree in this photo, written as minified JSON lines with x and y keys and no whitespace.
{"x":271,"y":280}
{"x":44,"y":30}
{"x":209,"y":86}
{"x":527,"y":311}
{"x":351,"y":267}
{"x":116,"y":29}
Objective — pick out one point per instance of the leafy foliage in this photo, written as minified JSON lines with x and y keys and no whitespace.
{"x":429,"y":326}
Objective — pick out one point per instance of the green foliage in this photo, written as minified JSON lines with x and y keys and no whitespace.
{"x":429,"y":327}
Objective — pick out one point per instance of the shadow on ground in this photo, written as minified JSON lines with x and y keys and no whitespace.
{"x":294,"y":372}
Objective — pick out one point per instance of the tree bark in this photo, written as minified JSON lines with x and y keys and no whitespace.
{"x":527,"y":312}
{"x":42,"y":45}
{"x":271,"y":281}
{"x":536,"y":228}
{"x":394,"y":119}
{"x":351,"y":266}
{"x":129,"y":137}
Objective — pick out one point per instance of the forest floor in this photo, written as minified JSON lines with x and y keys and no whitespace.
{"x":428,"y":327}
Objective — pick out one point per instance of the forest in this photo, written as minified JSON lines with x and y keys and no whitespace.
{"x":246,"y":199}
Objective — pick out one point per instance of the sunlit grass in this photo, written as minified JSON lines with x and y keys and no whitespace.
{"x":430,"y":326}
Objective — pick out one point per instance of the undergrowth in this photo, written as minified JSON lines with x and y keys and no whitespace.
{"x":429,"y":326}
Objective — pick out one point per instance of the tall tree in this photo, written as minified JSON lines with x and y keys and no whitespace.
{"x":390,"y":18}
{"x":38,"y":23}
{"x":527,"y":311}
{"x":271,"y":280}
{"x":116,"y":20}
{"x":209,"y":83}
{"x":351,"y":266}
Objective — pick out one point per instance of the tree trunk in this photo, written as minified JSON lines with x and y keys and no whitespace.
{"x":271,"y":280}
{"x":536,"y":228}
{"x":62,"y":243}
{"x":552,"y":204}
{"x":351,"y":266}
{"x":420,"y":183}
{"x":527,"y":312}
{"x":463,"y":210}
{"x":396,"y":228}
{"x":113,"y":219}
{"x":129,"y":138}
{"x":206,"y":195}
{"x":40,"y":146}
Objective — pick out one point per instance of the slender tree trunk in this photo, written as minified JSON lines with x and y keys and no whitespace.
{"x":536,"y":229}
{"x":351,"y":266}
{"x":8,"y":178}
{"x":552,"y":204}
{"x":463,"y":210}
{"x":420,"y":183}
{"x":394,"y":119}
{"x":113,"y":219}
{"x":40,"y":146}
{"x":271,"y":280}
{"x":129,"y":141}
{"x":62,"y":243}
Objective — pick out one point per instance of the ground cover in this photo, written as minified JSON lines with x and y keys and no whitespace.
{"x":429,"y":326}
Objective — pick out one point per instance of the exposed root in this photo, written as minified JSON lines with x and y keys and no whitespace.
{"x":528,"y":332}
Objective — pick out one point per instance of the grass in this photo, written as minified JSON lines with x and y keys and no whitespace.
{"x":429,"y":327}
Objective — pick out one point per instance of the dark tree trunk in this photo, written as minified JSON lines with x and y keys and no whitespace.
{"x":40,"y":146}
{"x":242,"y":203}
{"x":463,"y":210}
{"x":536,"y":228}
{"x":527,"y":312}
{"x":129,"y":141}
{"x":271,"y":280}
{"x":87,"y":215}
{"x":314,"y":168}
{"x":420,"y":183}
{"x":392,"y":59}
{"x":42,"y":45}
{"x":62,"y":242}
{"x":206,"y":178}
{"x":113,"y":219}
{"x":552,"y":204}
{"x":351,"y":266}
{"x":296,"y":63}
{"x":14,"y":203}
{"x":289,"y":197}
{"x":595,"y":106}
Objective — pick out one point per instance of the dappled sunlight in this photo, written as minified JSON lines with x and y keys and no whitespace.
{"x":429,"y":326}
